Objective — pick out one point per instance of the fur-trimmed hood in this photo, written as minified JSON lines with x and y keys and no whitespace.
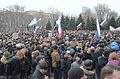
{"x":87,"y":71}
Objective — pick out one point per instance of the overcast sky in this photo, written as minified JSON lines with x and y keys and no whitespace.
{"x":65,"y":6}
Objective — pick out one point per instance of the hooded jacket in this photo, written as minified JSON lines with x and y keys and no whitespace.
{"x":90,"y":74}
{"x":13,"y":66}
{"x":77,"y":64}
{"x":37,"y":75}
{"x":2,"y":68}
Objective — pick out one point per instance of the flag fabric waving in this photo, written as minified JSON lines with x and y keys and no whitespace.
{"x":60,"y":31}
{"x":79,"y":26}
{"x":36,"y":29}
{"x":40,"y":20}
{"x":54,"y":27}
{"x":34,"y":21}
{"x":104,"y":22}
{"x":114,"y":29}
{"x":97,"y":34}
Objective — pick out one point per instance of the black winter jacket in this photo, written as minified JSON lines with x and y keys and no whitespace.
{"x":13,"y":66}
{"x":102,"y":61}
{"x":65,"y":65}
{"x":37,"y":75}
{"x":25,"y":64}
{"x":2,"y":68}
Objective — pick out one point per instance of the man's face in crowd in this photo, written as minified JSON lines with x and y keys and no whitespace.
{"x":115,"y":75}
{"x":42,"y":60}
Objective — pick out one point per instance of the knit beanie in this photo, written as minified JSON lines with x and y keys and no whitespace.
{"x":75,"y":73}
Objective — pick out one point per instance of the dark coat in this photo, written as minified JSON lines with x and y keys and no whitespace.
{"x":10,"y":49}
{"x":77,"y":64}
{"x":24,"y":65}
{"x":37,"y":75}
{"x":102,"y":61}
{"x":87,"y":56}
{"x":65,"y":65}
{"x":1,"y":54}
{"x":90,"y":74}
{"x":34,"y":64}
{"x":2,"y":68}
{"x":13,"y":66}
{"x":96,"y":55}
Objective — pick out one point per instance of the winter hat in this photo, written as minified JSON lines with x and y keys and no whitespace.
{"x":68,"y":51}
{"x":42,"y":65}
{"x":72,"y":51}
{"x":101,"y":45}
{"x":67,"y":43}
{"x":106,"y":53}
{"x":39,"y":57}
{"x":75,"y":73}
{"x":6,"y":54}
{"x":88,"y":63}
{"x":80,"y":55}
{"x":55,"y":47}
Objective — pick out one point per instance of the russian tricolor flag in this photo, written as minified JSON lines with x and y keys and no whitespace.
{"x":104,"y":22}
{"x":60,"y":31}
{"x":79,"y":26}
{"x":97,"y":34}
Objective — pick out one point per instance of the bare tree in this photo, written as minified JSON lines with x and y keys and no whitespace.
{"x":86,"y":12}
{"x":102,"y":10}
{"x":112,"y":14}
{"x":13,"y":17}
{"x":54,"y":13}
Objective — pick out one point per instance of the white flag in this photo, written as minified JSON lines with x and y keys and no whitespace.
{"x":112,"y":28}
{"x":34,"y":21}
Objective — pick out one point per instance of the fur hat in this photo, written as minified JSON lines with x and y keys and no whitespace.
{"x":24,"y":51}
{"x":6,"y":54}
{"x":35,"y":53}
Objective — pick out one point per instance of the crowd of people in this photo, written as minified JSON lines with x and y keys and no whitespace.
{"x":77,"y":55}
